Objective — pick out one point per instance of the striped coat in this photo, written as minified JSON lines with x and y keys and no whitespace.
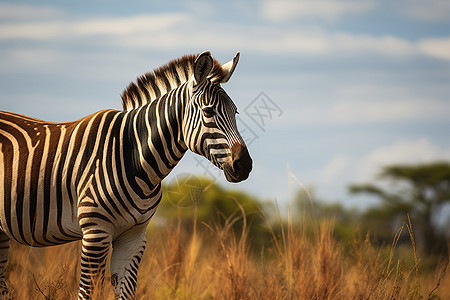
{"x":98,"y":179}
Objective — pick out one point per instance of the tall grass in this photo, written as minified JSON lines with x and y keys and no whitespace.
{"x":212,"y":261}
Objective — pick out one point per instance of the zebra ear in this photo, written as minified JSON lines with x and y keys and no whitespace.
{"x":202,"y":66}
{"x":230,"y":66}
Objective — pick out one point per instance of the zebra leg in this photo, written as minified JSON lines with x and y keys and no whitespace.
{"x":94,"y":249}
{"x":126,"y":257}
{"x":4,"y":247}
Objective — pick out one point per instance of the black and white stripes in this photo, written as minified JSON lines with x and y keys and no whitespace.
{"x":98,"y":179}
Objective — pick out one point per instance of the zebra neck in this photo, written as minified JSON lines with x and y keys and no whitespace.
{"x":155,"y":142}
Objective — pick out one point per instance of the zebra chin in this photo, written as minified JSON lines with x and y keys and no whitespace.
{"x":232,"y":176}
{"x":241,"y":165}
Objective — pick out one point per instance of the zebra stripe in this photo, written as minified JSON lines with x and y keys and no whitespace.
{"x":98,"y":179}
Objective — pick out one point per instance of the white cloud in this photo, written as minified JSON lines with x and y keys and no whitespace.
{"x":360,"y":111}
{"x":366,"y":105}
{"x":35,"y":57}
{"x":184,"y":31}
{"x":113,"y":27}
{"x":276,"y":10}
{"x":342,"y":170}
{"x":9,"y":11}
{"x":334,"y":169}
{"x":436,"y":47}
{"x":128,"y":25}
{"x":401,"y":152}
{"x":363,"y":44}
{"x":170,"y":31}
{"x":318,"y":42}
{"x":33,"y":30}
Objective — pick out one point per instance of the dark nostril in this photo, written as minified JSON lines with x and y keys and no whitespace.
{"x":241,"y":163}
{"x":235,"y":165}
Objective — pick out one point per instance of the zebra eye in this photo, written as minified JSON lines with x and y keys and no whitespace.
{"x":208,"y":112}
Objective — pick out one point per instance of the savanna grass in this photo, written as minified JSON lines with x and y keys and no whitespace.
{"x":212,"y":261}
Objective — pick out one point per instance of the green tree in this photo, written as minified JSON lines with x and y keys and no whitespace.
{"x":421,"y":191}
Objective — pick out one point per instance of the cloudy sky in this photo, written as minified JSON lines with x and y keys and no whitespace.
{"x":328,"y":90}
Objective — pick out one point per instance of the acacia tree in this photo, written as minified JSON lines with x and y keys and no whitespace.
{"x":425,"y":189}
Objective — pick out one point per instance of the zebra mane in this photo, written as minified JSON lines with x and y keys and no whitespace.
{"x":160,"y":81}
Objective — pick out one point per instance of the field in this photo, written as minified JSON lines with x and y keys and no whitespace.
{"x":207,"y":261}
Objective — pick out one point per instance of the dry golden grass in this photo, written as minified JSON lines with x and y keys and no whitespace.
{"x":209,"y":261}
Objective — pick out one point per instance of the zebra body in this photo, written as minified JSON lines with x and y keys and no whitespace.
{"x":98,"y":179}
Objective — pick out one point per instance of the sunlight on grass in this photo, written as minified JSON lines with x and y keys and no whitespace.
{"x":212,"y":261}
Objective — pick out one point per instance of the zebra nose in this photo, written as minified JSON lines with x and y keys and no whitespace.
{"x":242,"y":162}
{"x":235,"y":165}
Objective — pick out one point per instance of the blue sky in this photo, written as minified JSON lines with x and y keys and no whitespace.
{"x":353,"y":84}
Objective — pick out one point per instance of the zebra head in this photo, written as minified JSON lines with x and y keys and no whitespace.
{"x":210,"y":119}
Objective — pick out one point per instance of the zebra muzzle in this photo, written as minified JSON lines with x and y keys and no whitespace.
{"x":240,"y":166}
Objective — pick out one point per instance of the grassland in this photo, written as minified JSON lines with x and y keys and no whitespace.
{"x":208,"y":261}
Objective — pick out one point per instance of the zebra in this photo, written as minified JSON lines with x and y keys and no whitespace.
{"x":98,"y":179}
